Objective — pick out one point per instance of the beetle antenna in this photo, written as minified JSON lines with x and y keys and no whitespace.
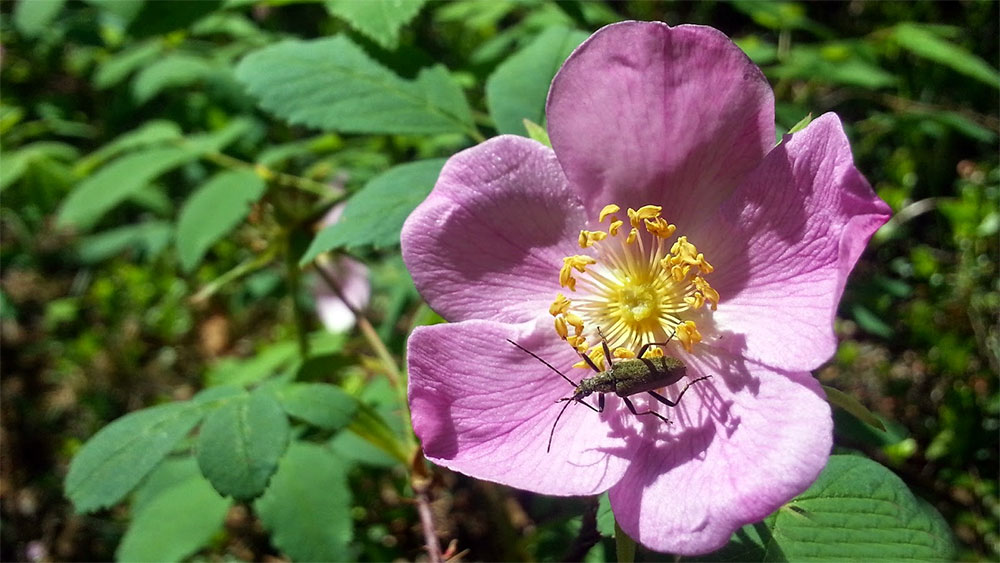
{"x":553,"y":431}
{"x":534,"y":355}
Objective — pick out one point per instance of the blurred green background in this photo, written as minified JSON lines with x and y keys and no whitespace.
{"x":104,"y":320}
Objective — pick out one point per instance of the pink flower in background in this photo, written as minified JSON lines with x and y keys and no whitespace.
{"x":351,"y":277}
{"x":663,"y":211}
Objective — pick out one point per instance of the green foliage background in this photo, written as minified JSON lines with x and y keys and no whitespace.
{"x":163,"y":167}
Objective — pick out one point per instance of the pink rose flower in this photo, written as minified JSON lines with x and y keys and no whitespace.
{"x":664,"y":211}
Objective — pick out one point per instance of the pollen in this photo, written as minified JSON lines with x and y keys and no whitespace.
{"x":633,"y":287}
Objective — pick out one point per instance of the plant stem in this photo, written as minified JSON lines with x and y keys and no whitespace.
{"x":624,"y":545}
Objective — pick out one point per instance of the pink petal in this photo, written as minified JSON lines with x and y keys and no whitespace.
{"x":484,"y":408}
{"x":753,"y":440}
{"x":489,"y":240}
{"x":643,"y":113}
{"x":352,"y":280}
{"x":783,"y":245}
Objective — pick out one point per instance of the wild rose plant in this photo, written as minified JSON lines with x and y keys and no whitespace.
{"x":663,"y":212}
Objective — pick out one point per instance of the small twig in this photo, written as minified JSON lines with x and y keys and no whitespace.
{"x":588,"y":536}
{"x":421,"y":481}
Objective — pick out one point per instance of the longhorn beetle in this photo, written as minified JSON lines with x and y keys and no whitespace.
{"x":624,"y":378}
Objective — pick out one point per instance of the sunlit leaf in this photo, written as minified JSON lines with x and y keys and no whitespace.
{"x":380,"y":20}
{"x":213,"y":210}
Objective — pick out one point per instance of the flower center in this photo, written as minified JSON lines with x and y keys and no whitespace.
{"x":635,"y":287}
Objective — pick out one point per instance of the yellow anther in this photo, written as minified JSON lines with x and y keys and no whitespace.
{"x":559,"y":306}
{"x":632,"y":235}
{"x":588,"y":238}
{"x":707,"y":290}
{"x":658,"y":226}
{"x":636,"y":216}
{"x":623,"y":353}
{"x":679,"y":272}
{"x":575,"y":321}
{"x":561,"y":329}
{"x":576,"y":341}
{"x":653,"y":352}
{"x":688,"y":335}
{"x":579,"y":262}
{"x":615,"y":225}
{"x":566,"y":278}
{"x":696,"y":300}
{"x":706,"y":268}
{"x":608,"y":210}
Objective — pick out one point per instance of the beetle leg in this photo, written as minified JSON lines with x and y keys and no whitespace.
{"x":631,"y":408}
{"x":670,"y":403}
{"x":642,"y":351}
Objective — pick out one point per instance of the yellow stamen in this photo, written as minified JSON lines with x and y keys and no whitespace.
{"x":632,"y":235}
{"x":588,"y":238}
{"x":688,"y":335}
{"x":659,"y":227}
{"x":653,"y":352}
{"x":607,"y":210}
{"x":560,"y":305}
{"x":561,"y":329}
{"x":636,"y":216}
{"x":623,"y":353}
{"x":615,"y":225}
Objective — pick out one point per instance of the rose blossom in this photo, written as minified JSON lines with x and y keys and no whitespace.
{"x":663,"y":212}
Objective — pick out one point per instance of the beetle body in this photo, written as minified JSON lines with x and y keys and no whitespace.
{"x":633,"y":376}
{"x":624,"y":378}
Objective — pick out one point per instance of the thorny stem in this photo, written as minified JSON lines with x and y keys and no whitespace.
{"x":278,"y":178}
{"x":368,"y":331}
{"x":588,"y":536}
{"x":294,"y":283}
{"x":420,"y":479}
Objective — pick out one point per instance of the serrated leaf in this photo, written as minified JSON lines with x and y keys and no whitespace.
{"x":307,"y":506}
{"x":112,"y":184}
{"x":332,"y":84}
{"x":922,"y":42}
{"x":320,"y":404}
{"x":213,"y":210}
{"x":149,"y":238}
{"x":379,"y":20}
{"x":32,"y":17}
{"x":605,"y":518}
{"x":375,"y":215}
{"x":177,"y":522}
{"x":170,"y":72}
{"x":240,"y":443}
{"x":856,"y":510}
{"x":113,"y":462}
{"x":519,"y":86}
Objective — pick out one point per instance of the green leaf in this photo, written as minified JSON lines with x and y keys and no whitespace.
{"x":519,"y":86}
{"x":379,"y":20}
{"x":375,"y":215}
{"x":319,"y":404}
{"x":154,"y":132}
{"x":307,"y":507}
{"x":240,"y":443}
{"x":169,"y":72}
{"x":856,"y":510}
{"x":260,"y":366}
{"x":537,"y":132}
{"x":32,"y":17}
{"x":840,"y":399}
{"x":175,"y":523}
{"x":96,"y":195}
{"x":149,"y":238}
{"x":605,"y":518}
{"x":213,"y":210}
{"x":332,"y":84}
{"x":114,"y":461}
{"x":117,"y":67}
{"x":801,"y":124}
{"x":920,"y":41}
